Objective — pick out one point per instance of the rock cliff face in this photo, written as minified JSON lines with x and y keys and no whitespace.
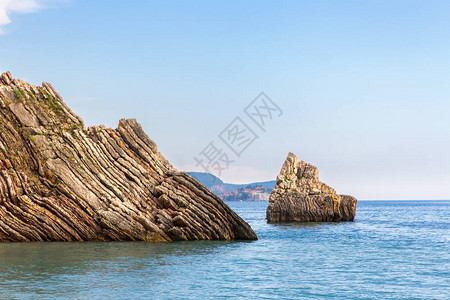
{"x":62,"y":182}
{"x":300,"y":196}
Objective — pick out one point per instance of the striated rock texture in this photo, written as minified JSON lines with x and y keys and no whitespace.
{"x":300,"y":196}
{"x":62,"y":182}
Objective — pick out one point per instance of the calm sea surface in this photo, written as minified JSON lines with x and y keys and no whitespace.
{"x":394,"y":249}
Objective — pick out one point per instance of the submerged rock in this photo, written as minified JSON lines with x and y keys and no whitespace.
{"x":62,"y":182}
{"x":300,"y":196}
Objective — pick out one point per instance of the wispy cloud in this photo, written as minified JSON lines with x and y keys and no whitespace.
{"x":236,"y":174}
{"x":11,"y":7}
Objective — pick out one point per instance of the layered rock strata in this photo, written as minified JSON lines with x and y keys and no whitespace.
{"x":62,"y":182}
{"x":300,"y":196}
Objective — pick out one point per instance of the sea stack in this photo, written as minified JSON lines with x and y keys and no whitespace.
{"x":299,"y":196}
{"x":60,"y":181}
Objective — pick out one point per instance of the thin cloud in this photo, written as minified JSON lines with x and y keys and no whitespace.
{"x":11,"y":7}
{"x":236,"y":174}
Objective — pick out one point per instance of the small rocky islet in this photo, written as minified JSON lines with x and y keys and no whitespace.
{"x":61,"y":181}
{"x":299,"y":196}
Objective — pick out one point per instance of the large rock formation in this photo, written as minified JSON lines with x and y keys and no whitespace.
{"x":300,"y":196}
{"x":62,"y":182}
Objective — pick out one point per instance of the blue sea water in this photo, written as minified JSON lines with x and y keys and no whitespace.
{"x":393,"y":250}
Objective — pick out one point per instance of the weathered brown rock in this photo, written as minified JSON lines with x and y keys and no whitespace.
{"x":300,"y":196}
{"x":6,"y":78}
{"x":62,"y":182}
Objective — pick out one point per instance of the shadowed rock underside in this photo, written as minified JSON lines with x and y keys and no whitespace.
{"x":62,"y":182}
{"x":300,"y":196}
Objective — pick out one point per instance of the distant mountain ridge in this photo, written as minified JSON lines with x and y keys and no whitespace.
{"x":255,"y":191}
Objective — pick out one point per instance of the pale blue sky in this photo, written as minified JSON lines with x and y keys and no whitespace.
{"x":364,"y":85}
